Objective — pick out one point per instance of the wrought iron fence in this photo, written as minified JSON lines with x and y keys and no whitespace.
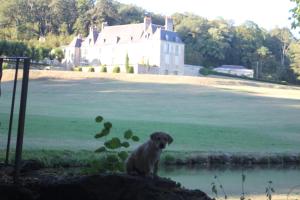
{"x":22,"y":110}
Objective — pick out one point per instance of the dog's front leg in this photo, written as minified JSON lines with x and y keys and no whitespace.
{"x":155,"y":169}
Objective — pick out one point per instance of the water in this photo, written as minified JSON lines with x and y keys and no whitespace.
{"x":283,"y":179}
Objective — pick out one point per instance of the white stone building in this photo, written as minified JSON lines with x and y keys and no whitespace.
{"x":151,"y":48}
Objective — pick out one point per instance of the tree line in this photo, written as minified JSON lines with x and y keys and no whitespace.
{"x":274,"y":54}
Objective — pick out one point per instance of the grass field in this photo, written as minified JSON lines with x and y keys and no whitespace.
{"x":202,"y":114}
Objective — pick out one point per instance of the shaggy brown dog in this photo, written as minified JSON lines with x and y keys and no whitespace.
{"x":144,"y":160}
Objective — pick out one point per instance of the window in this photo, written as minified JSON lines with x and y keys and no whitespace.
{"x":167,"y":46}
{"x":176,"y":60}
{"x":176,"y":50}
{"x":167,"y":37}
{"x":167,"y":59}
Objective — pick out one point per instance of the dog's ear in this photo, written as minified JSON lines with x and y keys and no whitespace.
{"x":170,"y":139}
{"x":153,"y":135}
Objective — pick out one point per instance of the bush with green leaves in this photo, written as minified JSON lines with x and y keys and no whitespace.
{"x":130,"y":70}
{"x":91,"y":69}
{"x":57,"y":53}
{"x":103,"y":68}
{"x":4,"y":66}
{"x":116,"y":69}
{"x":114,"y":155}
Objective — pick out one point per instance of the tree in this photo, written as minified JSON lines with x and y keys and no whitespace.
{"x":294,"y":54}
{"x":262,"y":53}
{"x":296,"y":14}
{"x":283,"y":38}
{"x":104,"y":11}
{"x":84,"y":20}
{"x":63,"y":12}
{"x":129,"y":14}
{"x":127,"y":62}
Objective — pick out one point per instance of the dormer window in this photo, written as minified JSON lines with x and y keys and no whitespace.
{"x":131,"y":38}
{"x":118,"y":39}
{"x":104,"y":40}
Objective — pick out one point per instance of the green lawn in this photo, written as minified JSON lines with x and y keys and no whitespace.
{"x":60,"y":115}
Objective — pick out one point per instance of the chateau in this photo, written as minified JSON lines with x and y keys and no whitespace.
{"x":151,"y":48}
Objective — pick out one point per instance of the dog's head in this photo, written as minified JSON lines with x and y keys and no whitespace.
{"x":161,"y":139}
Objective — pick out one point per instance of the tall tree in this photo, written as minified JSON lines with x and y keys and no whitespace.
{"x":262,"y":54}
{"x":63,"y":15}
{"x":84,"y":19}
{"x":104,"y":11}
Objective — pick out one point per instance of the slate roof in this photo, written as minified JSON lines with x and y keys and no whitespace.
{"x":170,"y":36}
{"x":76,"y":42}
{"x":126,"y":34}
{"x":120,"y":34}
{"x":91,"y":39}
{"x":135,"y":32}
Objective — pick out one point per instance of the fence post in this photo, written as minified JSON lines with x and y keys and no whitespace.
{"x":12,"y":108}
{"x":23,"y":100}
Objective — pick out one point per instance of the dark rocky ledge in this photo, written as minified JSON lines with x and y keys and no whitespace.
{"x":98,"y":187}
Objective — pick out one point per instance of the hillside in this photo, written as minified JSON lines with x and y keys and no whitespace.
{"x":202,"y":113}
{"x":235,"y":84}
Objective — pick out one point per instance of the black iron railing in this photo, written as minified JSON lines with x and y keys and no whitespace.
{"x":22,"y":110}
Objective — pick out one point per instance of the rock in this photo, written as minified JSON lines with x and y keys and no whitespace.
{"x":105,"y":187}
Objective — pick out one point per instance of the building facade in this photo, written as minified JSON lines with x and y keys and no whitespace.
{"x":146,"y":44}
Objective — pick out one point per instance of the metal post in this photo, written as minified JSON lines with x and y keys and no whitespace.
{"x":11,"y":112}
{"x":21,"y":124}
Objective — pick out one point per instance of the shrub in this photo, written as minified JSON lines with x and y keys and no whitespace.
{"x":75,"y":69}
{"x":103,"y":69}
{"x":205,"y":71}
{"x":4,"y":66}
{"x":116,"y":69}
{"x":130,"y":70}
{"x":91,"y":69}
{"x":57,"y":53}
{"x":80,"y":69}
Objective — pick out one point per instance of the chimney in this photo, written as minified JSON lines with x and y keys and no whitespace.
{"x":104,"y":24}
{"x":169,"y":24}
{"x":147,"y":22}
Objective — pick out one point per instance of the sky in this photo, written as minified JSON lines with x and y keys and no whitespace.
{"x":266,"y":13}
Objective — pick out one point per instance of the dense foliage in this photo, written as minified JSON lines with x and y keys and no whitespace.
{"x":48,"y":24}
